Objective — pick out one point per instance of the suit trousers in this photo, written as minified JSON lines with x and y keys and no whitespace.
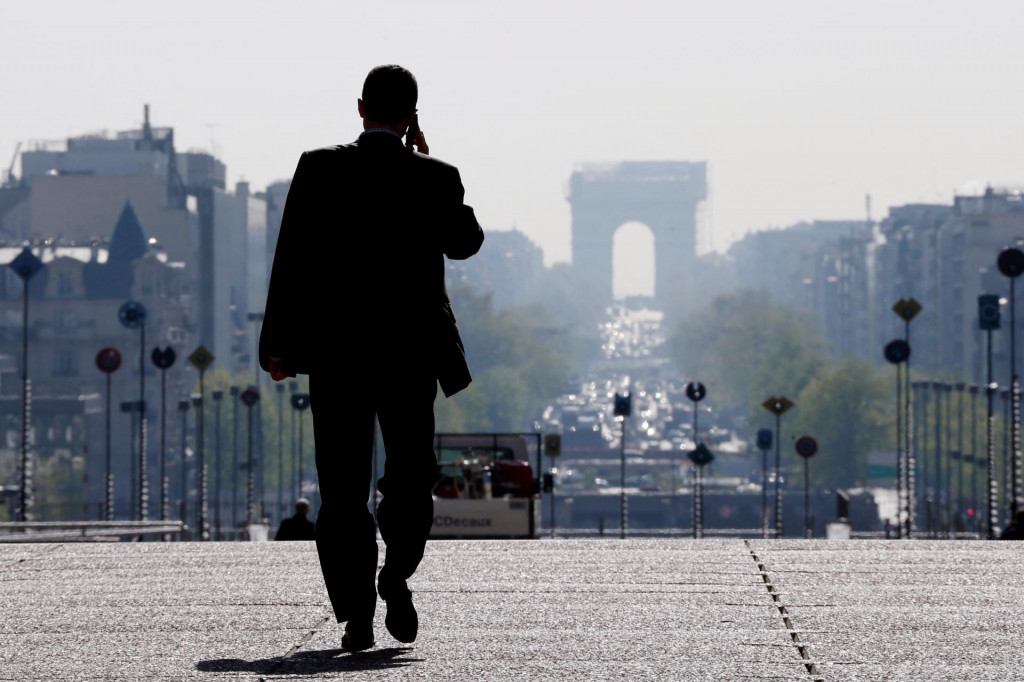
{"x":344,"y":405}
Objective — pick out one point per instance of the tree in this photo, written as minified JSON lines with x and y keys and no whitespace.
{"x":849,"y":410}
{"x":746,"y":347}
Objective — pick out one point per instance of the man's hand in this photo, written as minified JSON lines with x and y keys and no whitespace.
{"x":421,"y":143}
{"x":277,"y":372}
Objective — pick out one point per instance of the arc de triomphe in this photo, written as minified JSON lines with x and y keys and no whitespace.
{"x":660,"y":194}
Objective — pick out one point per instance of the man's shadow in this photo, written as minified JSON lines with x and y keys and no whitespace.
{"x":312,"y":662}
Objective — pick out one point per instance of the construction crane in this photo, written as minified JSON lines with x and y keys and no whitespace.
{"x":9,"y":174}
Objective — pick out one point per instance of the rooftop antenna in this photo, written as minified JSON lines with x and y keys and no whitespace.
{"x":147,"y":131}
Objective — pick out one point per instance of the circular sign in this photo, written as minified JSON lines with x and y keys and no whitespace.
{"x":250,"y":396}
{"x":163,"y":358}
{"x":108,"y":360}
{"x":300,"y":401}
{"x":1011,"y":262}
{"x":897,"y":351}
{"x":132,"y":314}
{"x":806,"y":447}
{"x":701,"y":455}
{"x":695,"y":391}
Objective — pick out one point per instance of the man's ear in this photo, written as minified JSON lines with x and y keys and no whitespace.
{"x":362,"y":111}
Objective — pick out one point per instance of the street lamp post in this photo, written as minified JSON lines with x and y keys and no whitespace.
{"x":183,"y":409}
{"x":764,"y":444}
{"x":921,"y":442}
{"x":988,"y":320}
{"x":959,"y":519}
{"x":778,"y":406}
{"x":948,"y":460}
{"x":250,"y":397}
{"x":1011,"y":264}
{"x":975,"y":462}
{"x":108,"y":361}
{"x":700,"y":456}
{"x":293,"y":387}
{"x":163,"y":359}
{"x":235,"y":391}
{"x":806,"y":447}
{"x":132,"y":315}
{"x":622,"y":408}
{"x":897,"y":352}
{"x":26,"y":265}
{"x":907,"y":310}
{"x":197,"y":404}
{"x":218,"y":399}
{"x":201,"y":358}
{"x":300,"y":401}
{"x":281,"y":506}
{"x":937,"y":507}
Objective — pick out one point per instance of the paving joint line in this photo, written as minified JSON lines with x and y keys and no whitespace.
{"x":298,"y":645}
{"x":794,"y":634}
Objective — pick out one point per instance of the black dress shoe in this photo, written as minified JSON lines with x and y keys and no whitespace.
{"x":357,"y":637}
{"x":401,"y":619}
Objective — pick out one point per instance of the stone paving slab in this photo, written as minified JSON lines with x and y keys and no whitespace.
{"x":588,"y":609}
{"x":903,"y":610}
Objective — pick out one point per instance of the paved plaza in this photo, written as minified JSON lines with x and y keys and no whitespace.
{"x":589,"y":609}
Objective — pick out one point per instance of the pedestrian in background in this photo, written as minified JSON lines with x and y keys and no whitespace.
{"x":297,"y":527}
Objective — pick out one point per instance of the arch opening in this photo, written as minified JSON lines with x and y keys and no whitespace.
{"x":633,"y":261}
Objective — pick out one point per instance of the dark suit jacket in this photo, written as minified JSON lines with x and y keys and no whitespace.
{"x":359,"y":263}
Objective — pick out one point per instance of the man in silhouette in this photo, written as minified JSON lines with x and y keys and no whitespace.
{"x":357,"y":301}
{"x":297,"y":527}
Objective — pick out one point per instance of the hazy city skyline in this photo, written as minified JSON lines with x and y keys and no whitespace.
{"x":800,"y":108}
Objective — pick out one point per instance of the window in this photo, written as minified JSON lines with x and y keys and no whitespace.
{"x":65,"y":364}
{"x":65,"y":284}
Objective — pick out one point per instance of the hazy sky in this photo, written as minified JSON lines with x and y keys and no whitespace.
{"x":800,"y":108}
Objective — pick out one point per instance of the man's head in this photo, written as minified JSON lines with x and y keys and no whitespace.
{"x":389,"y":95}
{"x":302,"y":506}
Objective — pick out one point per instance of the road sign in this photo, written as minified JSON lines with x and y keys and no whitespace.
{"x":764,"y":439}
{"x":26,"y":264}
{"x":623,"y":405}
{"x":988,"y":312}
{"x":777,"y":406}
{"x":907,"y":310}
{"x":552,"y":444}
{"x":897,"y":351}
{"x":300,"y":401}
{"x":201,"y":358}
{"x":1011,"y":262}
{"x":695,"y":391}
{"x":701,"y":455}
{"x":806,"y":447}
{"x":163,"y":358}
{"x":108,"y":360}
{"x":250,"y":396}
{"x":132,"y":314}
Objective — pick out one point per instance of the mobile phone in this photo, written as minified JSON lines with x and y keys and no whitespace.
{"x":412,"y":132}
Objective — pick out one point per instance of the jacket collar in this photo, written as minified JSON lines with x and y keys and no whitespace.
{"x":380,"y":140}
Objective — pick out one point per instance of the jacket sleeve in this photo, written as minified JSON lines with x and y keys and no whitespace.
{"x":462,"y":236}
{"x":280,"y":330}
